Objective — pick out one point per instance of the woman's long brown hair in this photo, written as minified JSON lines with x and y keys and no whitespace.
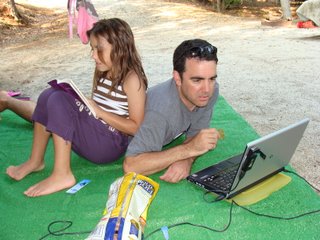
{"x":124,"y":55}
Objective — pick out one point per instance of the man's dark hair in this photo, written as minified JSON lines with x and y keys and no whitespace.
{"x":194,"y":48}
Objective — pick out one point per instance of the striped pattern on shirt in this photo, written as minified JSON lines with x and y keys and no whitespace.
{"x":115,"y":101}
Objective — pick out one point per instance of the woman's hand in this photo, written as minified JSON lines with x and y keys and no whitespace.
{"x":95,"y":107}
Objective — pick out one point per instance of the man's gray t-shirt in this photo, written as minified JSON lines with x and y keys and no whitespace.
{"x":166,"y":118}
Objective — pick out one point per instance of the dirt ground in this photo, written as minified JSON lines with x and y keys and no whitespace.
{"x":270,"y":75}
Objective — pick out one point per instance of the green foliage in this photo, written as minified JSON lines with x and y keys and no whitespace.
{"x":226,"y":3}
{"x":232,"y":3}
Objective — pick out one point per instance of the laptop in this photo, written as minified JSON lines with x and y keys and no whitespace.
{"x":261,"y":159}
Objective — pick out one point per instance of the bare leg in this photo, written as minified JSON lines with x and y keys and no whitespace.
{"x":22,"y":108}
{"x":61,"y":176}
{"x":36,"y":160}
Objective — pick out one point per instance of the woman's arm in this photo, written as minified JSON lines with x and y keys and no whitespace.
{"x":136,"y":93}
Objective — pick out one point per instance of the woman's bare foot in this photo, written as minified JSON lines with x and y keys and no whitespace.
{"x":52,"y":184}
{"x":19,"y":172}
{"x":3,"y":100}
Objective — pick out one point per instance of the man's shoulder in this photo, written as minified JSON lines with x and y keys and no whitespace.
{"x":160,"y":87}
{"x":164,"y":93}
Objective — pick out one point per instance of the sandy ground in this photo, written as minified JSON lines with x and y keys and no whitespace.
{"x":270,"y":75}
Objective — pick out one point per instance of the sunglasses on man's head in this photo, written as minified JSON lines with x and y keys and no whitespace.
{"x":199,"y":51}
{"x":202,"y":50}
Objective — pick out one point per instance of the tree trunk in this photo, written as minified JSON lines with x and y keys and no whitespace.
{"x":285,"y":6}
{"x":220,"y":6}
{"x":9,"y":9}
{"x":14,"y":10}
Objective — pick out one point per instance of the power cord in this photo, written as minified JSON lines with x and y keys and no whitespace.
{"x":196,"y":225}
{"x":221,"y":196}
{"x":292,"y":172}
{"x":68,"y":224}
{"x":276,"y":217}
{"x":59,"y":232}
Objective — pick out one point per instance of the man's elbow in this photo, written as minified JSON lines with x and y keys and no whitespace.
{"x":128,"y":165}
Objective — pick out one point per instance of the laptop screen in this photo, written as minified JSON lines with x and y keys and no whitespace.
{"x":268,"y":155}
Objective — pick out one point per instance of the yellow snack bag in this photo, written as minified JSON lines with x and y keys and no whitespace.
{"x":126,"y":209}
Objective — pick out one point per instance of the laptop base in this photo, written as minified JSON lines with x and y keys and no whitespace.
{"x":261,"y":191}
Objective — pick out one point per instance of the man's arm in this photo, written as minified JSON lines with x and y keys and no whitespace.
{"x":178,"y":170}
{"x":152,"y":162}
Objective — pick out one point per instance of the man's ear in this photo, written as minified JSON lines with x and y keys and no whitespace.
{"x":176,"y":77}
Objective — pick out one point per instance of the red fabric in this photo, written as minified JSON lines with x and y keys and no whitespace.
{"x":307,"y":24}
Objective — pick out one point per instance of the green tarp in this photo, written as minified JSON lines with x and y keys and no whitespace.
{"x":28,"y":218}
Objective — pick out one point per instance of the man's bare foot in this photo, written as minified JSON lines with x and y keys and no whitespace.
{"x":3,"y":100}
{"x":52,"y":184}
{"x":19,"y":172}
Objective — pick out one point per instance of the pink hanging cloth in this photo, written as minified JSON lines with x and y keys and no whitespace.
{"x":83,"y":14}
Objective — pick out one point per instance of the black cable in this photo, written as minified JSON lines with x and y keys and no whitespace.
{"x":289,"y":171}
{"x":283,"y":218}
{"x":276,"y":217}
{"x":59,"y":232}
{"x":197,"y":225}
{"x":220,"y":197}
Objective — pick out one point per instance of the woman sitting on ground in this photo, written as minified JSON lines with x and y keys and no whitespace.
{"x":118,"y":98}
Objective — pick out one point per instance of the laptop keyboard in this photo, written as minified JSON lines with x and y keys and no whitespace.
{"x":222,"y":180}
